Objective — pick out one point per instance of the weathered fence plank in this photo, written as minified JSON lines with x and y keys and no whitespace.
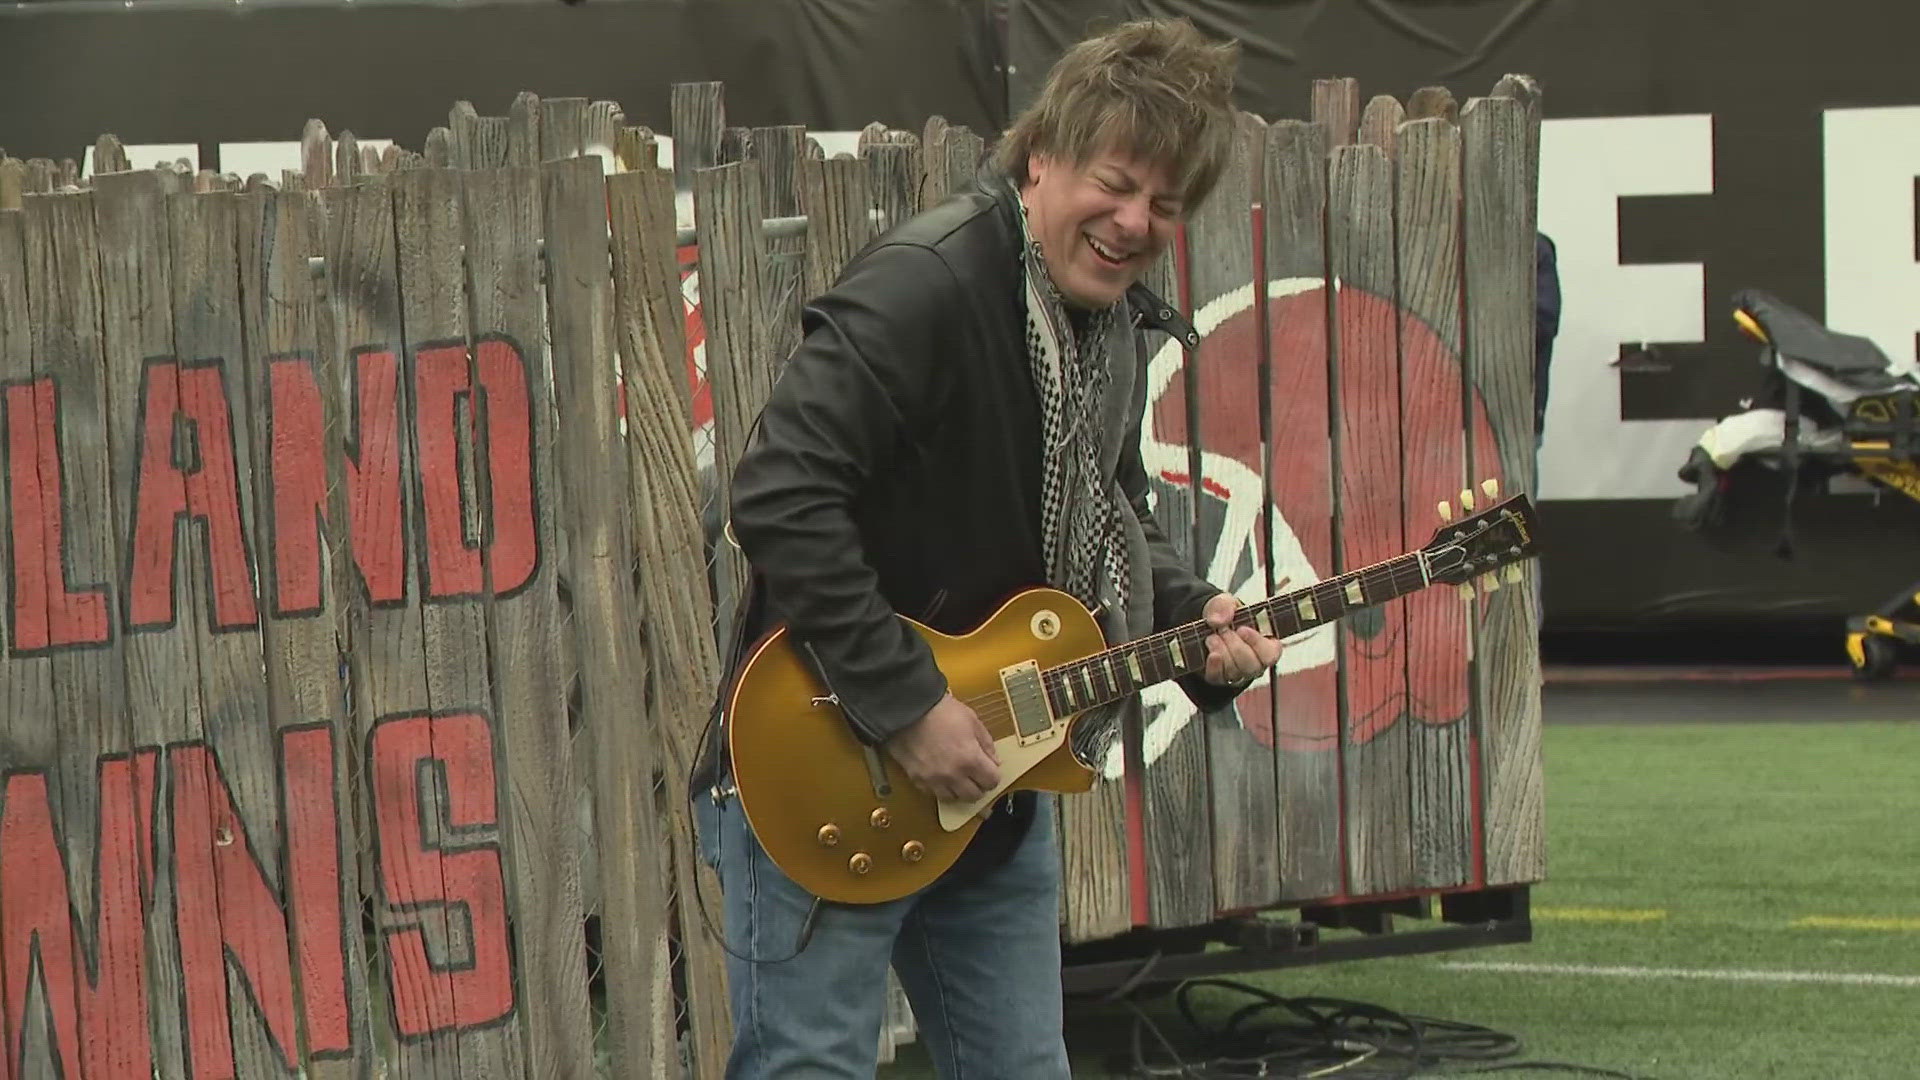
{"x":295,"y":482}
{"x":1499,"y":344}
{"x":932,"y":185}
{"x":683,"y":662}
{"x":438,"y":150}
{"x":1367,"y":441}
{"x":456,"y":709}
{"x":523,"y":129}
{"x":893,"y":178}
{"x":13,"y":181}
{"x":563,"y":127}
{"x":1171,"y":758}
{"x":636,"y":147}
{"x":1231,"y":435}
{"x":1380,"y":122}
{"x":834,"y":196}
{"x":109,"y":156}
{"x":593,"y":488}
{"x":26,"y":692}
{"x":316,"y":156}
{"x":480,"y":142}
{"x":365,"y":392}
{"x":228,"y":830}
{"x":1096,"y":880}
{"x":163,"y":688}
{"x":605,"y":122}
{"x":1432,"y":102}
{"x":780,"y":150}
{"x":1336,"y":106}
{"x":699,"y":114}
{"x":42,"y":176}
{"x":1439,"y":718}
{"x":1300,"y":535}
{"x":965,"y":151}
{"x":729,"y":204}
{"x":521,"y":565}
{"x":71,"y":810}
{"x":348,"y":162}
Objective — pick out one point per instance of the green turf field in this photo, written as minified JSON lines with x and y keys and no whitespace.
{"x":1712,"y":889}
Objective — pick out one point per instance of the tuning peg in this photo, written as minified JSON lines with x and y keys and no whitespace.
{"x":1491,"y":487}
{"x":1446,"y":510}
{"x":1489,"y":582}
{"x":1466,"y":590}
{"x":1466,"y":498}
{"x":1512,"y":574}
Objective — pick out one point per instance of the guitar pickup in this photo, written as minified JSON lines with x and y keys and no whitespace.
{"x":1027,"y":699}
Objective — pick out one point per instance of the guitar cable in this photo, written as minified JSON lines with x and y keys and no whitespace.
{"x":807,"y":925}
{"x":1269,"y":1035}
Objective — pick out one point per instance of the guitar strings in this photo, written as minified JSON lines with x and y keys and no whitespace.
{"x":995,"y":712}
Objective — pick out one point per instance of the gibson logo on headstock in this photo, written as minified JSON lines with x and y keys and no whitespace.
{"x":1520,"y":525}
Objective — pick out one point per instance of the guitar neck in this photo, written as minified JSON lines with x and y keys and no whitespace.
{"x":1127,"y":669}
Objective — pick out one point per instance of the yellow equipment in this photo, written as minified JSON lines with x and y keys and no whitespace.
{"x":1880,"y":444}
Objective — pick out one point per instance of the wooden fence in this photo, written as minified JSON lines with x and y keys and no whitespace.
{"x":359,"y":627}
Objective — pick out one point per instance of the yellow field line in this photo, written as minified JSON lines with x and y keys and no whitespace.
{"x":1855,"y":922}
{"x":1600,"y":914}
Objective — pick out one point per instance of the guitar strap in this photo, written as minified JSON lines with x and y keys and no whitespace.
{"x":712,"y":760}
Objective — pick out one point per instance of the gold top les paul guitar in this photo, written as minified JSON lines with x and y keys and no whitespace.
{"x":843,"y":820}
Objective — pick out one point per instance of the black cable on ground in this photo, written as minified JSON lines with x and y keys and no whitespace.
{"x":1280,"y":1037}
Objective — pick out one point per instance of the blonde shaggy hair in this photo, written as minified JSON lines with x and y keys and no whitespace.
{"x":1154,"y":88}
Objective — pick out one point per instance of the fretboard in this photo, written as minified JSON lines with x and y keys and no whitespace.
{"x":1126,"y":669}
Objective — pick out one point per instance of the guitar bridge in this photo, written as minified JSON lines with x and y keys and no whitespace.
{"x":1027,"y":699}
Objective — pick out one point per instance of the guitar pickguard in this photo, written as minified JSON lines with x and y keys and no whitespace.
{"x":1017,"y":758}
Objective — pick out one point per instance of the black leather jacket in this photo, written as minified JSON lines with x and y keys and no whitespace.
{"x":895,"y":468}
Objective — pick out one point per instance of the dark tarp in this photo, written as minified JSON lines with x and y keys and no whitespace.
{"x":392,"y":70}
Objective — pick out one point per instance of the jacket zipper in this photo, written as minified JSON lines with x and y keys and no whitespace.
{"x":833,"y":696}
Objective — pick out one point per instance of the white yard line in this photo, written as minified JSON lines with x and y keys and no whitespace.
{"x":1833,"y":978}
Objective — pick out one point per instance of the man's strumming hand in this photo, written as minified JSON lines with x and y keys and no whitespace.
{"x":947,"y":753}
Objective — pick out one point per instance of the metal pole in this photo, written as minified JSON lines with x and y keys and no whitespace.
{"x":779,"y":228}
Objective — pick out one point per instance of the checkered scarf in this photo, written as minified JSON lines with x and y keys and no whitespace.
{"x":1079,"y":515}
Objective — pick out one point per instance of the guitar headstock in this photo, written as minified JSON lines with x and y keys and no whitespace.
{"x":1484,"y":543}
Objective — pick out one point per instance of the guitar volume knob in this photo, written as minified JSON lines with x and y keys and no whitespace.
{"x":829,"y":835}
{"x":881,"y":819}
{"x":913,"y":851}
{"x":860,"y":863}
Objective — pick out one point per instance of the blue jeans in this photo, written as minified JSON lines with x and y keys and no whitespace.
{"x":979,"y":960}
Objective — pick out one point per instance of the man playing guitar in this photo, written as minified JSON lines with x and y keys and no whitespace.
{"x":961,"y":421}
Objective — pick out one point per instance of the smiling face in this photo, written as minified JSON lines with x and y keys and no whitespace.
{"x":1101,"y":224}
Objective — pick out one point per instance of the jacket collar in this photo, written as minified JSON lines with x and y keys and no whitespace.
{"x":1148,"y":309}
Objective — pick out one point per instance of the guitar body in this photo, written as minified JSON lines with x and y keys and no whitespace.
{"x":842,"y":819}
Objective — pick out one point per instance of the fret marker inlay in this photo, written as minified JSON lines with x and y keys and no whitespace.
{"x":1354,"y":595}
